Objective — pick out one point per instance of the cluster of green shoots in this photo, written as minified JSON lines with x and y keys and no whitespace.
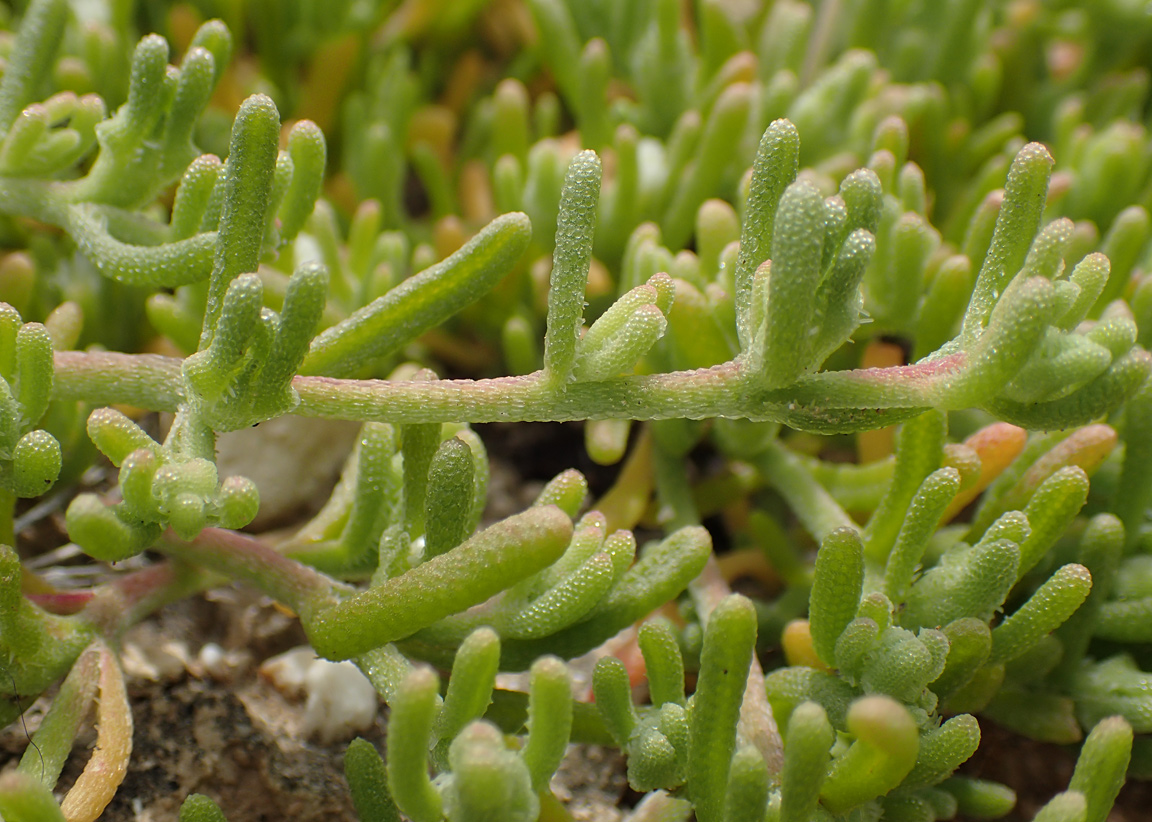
{"x":760,"y":234}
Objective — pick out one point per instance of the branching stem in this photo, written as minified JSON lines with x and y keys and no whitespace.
{"x":831,"y":401}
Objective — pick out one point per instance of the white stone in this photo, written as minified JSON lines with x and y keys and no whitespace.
{"x":340,"y":701}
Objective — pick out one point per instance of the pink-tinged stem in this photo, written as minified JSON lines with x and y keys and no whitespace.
{"x":244,"y":558}
{"x":62,"y":603}
{"x":895,"y":386}
{"x":115,"y":607}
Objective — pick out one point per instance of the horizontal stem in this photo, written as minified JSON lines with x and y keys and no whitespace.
{"x":691,"y":394}
{"x":901,"y":386}
{"x":111,"y":378}
{"x":117,"y":606}
{"x":830,"y":401}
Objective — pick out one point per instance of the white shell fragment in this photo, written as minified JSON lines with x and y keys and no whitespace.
{"x":340,"y":701}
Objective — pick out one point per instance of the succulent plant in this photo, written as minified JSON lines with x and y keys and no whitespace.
{"x":870,"y":277}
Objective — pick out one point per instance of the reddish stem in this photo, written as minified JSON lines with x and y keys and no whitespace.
{"x":62,"y":603}
{"x":247,"y":559}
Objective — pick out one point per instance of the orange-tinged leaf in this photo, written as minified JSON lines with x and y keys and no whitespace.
{"x":96,"y":786}
{"x":997,"y":445}
{"x":1085,"y":448}
{"x":798,"y":647}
